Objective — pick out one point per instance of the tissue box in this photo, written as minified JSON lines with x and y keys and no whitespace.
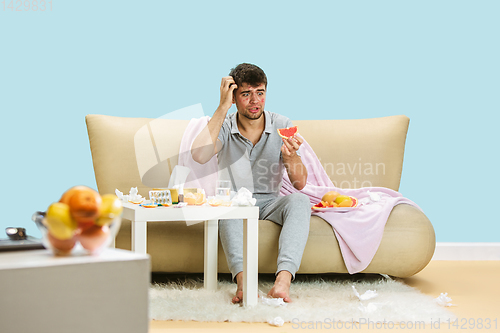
{"x":175,"y":194}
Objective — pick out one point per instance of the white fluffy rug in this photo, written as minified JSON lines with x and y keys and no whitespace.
{"x":314,"y":299}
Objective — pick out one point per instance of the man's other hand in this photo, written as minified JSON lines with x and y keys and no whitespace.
{"x":291,"y":145}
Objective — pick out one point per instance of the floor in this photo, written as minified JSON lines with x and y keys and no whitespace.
{"x":473,"y":286}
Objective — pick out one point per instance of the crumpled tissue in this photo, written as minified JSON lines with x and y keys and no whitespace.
{"x":278,"y":321}
{"x":119,"y":194}
{"x":371,"y":307}
{"x":132,"y":196}
{"x":273,"y":301}
{"x":369,"y":294}
{"x":243,"y":198}
{"x":180,"y":205}
{"x":443,"y":300}
{"x":374,"y":196}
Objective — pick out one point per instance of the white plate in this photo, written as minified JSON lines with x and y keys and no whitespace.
{"x":149,"y":205}
{"x":334,"y":209}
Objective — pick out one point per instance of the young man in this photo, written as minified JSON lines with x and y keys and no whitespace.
{"x":251,"y":154}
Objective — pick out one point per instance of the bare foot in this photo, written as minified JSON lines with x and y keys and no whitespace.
{"x":281,"y":288}
{"x":239,"y":290}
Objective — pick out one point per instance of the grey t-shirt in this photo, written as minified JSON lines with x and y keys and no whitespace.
{"x":259,"y":168}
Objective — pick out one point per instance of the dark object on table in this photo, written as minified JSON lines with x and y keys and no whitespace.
{"x":16,"y":233}
{"x":19,"y":240}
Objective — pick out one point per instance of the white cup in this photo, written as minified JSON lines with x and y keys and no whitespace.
{"x":223,"y":190}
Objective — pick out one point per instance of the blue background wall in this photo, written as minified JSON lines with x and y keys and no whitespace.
{"x":435,"y":61}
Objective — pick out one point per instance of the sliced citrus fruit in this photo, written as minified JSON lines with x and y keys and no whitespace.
{"x":136,"y":201}
{"x":350,"y":202}
{"x":194,"y":198}
{"x":287,"y":133}
{"x":214,"y":202}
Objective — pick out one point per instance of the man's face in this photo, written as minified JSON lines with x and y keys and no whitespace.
{"x":250,"y":100}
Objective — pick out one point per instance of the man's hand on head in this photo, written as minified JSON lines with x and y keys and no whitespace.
{"x":207,"y":144}
{"x":227,"y":88}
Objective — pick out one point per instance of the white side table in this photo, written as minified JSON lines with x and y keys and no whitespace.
{"x":80,"y":293}
{"x":140,"y":216}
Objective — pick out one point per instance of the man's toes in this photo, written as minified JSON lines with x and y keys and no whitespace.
{"x":279,"y":294}
{"x":238,"y":298}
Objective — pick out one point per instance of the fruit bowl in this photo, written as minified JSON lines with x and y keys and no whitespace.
{"x":92,"y":239}
{"x":82,"y":218}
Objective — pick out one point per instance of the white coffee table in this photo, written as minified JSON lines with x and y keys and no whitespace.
{"x":140,"y":216}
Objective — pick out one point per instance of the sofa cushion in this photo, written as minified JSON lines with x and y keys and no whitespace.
{"x":360,"y":152}
{"x":133,"y":152}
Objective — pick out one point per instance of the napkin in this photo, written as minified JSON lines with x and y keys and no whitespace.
{"x":178,"y":176}
{"x":369,"y":294}
{"x":277,"y":321}
{"x":132,"y":196}
{"x":243,"y":198}
{"x":444,"y":300}
{"x":273,"y":301}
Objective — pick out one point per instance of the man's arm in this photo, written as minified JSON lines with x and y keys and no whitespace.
{"x":206,"y":144}
{"x":296,"y":170}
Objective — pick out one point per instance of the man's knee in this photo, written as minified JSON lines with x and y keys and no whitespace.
{"x":301,"y":200}
{"x":298,"y":203}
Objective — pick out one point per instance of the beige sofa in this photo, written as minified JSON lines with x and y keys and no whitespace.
{"x":140,"y":152}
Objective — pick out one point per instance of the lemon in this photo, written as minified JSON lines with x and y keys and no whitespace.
{"x":59,"y":221}
{"x":346,"y":203}
{"x":111,"y":207}
{"x":341,"y":198}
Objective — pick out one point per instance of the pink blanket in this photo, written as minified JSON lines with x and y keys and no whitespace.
{"x":358,"y":232}
{"x":202,"y":175}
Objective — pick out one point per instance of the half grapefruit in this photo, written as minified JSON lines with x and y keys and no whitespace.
{"x":287,"y":133}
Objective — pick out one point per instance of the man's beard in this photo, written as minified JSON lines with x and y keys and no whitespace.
{"x":252,"y":116}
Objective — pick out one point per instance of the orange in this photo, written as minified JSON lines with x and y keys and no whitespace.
{"x":93,"y":237}
{"x":330,"y":197}
{"x":61,"y":246}
{"x":84,"y":204}
{"x":67,"y":195}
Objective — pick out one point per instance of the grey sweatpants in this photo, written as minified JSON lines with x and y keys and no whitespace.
{"x":292,"y":212}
